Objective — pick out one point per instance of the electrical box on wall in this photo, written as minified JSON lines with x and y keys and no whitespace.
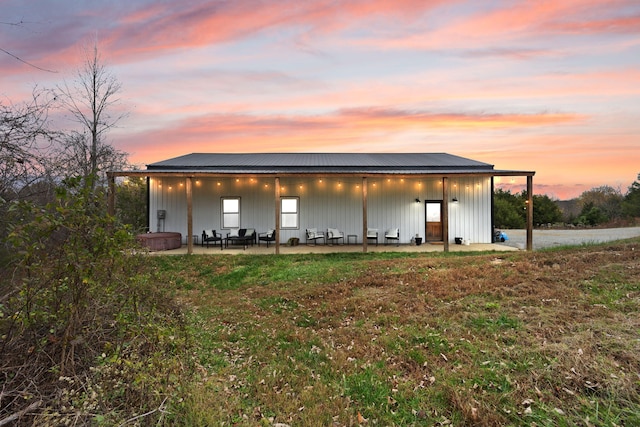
{"x":162,"y":214}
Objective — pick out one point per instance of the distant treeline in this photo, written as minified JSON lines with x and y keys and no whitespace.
{"x":597,"y":206}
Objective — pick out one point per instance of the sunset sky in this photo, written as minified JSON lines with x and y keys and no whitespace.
{"x":550,"y":86}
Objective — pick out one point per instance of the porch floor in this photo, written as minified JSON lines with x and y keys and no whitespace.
{"x":323,"y":249}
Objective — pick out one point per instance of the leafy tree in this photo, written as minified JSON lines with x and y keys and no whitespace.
{"x":508,"y":210}
{"x":606,"y":199}
{"x":131,"y":208}
{"x":545,"y":210}
{"x":592,"y":215}
{"x":631,"y":202}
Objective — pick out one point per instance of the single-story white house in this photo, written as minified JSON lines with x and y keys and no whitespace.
{"x":433,"y":196}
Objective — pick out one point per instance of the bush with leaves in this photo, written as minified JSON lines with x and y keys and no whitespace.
{"x":510,"y":209}
{"x":131,"y":208}
{"x":545,"y":210}
{"x":591,"y":215}
{"x":600,"y":204}
{"x":631,"y":202}
{"x":76,"y":308}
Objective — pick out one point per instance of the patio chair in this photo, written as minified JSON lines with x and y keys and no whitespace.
{"x":334,"y":234}
{"x":313,"y":234}
{"x":211,"y":236}
{"x":268,"y":236}
{"x":372,"y":233}
{"x":392,"y":234}
{"x":241,"y":236}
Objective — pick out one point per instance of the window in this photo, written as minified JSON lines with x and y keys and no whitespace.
{"x":289,"y":212}
{"x":230,"y":212}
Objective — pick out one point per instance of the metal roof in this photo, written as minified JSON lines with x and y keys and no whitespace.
{"x":274,"y":163}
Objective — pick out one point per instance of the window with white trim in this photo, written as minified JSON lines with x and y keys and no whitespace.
{"x":230,"y":212}
{"x":289,"y":212}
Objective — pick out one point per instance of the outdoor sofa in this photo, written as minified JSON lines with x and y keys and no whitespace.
{"x":241,"y":236}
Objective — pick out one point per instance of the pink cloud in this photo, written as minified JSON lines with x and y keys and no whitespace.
{"x":508,"y":25}
{"x":179,"y":25}
{"x":353,"y":127}
{"x":155,"y":29}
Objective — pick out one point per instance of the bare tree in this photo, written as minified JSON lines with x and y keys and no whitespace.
{"x":91,"y":100}
{"x":25,"y":141}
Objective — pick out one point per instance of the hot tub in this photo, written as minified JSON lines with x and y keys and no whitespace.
{"x":160,"y":241}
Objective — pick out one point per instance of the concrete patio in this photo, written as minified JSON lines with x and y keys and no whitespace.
{"x":324,"y":249}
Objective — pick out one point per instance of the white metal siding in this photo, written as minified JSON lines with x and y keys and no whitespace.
{"x":470,"y":217}
{"x":327,"y":202}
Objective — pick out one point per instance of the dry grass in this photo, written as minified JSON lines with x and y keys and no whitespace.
{"x":543,"y":338}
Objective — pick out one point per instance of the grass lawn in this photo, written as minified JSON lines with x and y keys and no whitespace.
{"x":547,"y":338}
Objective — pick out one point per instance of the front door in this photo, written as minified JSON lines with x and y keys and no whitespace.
{"x":433,"y":221}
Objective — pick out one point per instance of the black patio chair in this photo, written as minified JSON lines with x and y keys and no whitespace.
{"x":268,"y":236}
{"x":211,"y":236}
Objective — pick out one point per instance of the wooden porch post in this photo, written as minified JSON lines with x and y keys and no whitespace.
{"x":189,"y":215}
{"x":364,"y":214}
{"x":277,"y":206}
{"x":445,"y":213}
{"x":529,"y":213}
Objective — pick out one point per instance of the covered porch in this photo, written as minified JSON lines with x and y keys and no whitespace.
{"x":424,"y":248}
{"x":362,"y":188}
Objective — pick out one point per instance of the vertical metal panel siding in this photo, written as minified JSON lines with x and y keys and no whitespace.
{"x":470,"y":218}
{"x":327,"y":202}
{"x":168,"y":194}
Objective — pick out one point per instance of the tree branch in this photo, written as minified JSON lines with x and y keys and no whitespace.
{"x":18,"y":414}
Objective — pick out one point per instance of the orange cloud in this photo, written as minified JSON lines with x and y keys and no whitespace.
{"x":346,"y":128}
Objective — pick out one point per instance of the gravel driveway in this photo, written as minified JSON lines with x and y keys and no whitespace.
{"x":550,"y":238}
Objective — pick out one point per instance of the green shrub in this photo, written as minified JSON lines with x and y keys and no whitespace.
{"x":79,"y":306}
